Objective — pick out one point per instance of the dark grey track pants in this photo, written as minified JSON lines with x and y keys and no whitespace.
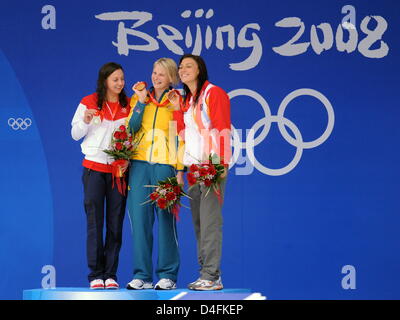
{"x":207,"y":221}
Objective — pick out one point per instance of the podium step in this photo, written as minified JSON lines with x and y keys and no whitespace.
{"x":124,"y":294}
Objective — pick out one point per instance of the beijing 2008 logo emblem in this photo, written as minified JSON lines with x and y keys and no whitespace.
{"x":19,"y":123}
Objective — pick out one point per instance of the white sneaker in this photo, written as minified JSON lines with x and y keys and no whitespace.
{"x":205,"y":285}
{"x":111,"y":284}
{"x":97,"y":284}
{"x":139,"y":284}
{"x":190,"y":285}
{"x":165,"y":284}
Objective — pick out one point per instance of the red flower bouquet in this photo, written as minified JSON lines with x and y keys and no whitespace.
{"x":208,"y":174}
{"x":167,"y":196}
{"x":122,"y":149}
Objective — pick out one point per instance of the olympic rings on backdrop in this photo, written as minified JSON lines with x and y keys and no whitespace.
{"x":266,"y":122}
{"x":19,"y":123}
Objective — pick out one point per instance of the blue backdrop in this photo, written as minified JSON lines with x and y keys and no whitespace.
{"x":312,"y":205}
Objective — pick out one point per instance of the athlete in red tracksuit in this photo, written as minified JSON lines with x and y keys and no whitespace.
{"x":204,"y":123}
{"x":95,"y":120}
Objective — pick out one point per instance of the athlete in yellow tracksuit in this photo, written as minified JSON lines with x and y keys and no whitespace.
{"x":155,"y":160}
{"x":155,"y":130}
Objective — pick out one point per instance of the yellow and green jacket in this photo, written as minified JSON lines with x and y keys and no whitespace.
{"x":155,"y":133}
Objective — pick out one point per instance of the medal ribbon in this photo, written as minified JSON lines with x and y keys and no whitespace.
{"x":166,"y":102}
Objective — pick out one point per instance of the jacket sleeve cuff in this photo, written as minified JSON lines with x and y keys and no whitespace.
{"x":181,"y":169}
{"x":140,"y":105}
{"x":83,"y":126}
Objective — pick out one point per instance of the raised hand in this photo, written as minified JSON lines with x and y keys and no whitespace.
{"x":88,"y":116}
{"x":173,"y":97}
{"x":140,"y":89}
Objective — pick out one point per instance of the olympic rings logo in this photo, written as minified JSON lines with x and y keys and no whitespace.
{"x":283,"y":122}
{"x":19,"y":123}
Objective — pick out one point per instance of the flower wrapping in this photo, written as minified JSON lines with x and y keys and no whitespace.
{"x":122,"y":148}
{"x":118,"y":174}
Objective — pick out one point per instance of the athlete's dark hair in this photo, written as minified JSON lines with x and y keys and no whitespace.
{"x":101,"y":90}
{"x":201,"y":78}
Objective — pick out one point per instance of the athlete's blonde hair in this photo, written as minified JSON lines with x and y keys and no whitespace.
{"x":172,"y":69}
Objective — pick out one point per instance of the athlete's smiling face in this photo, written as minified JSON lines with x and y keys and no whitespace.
{"x":115,"y":82}
{"x":188,"y":71}
{"x":160,"y":78}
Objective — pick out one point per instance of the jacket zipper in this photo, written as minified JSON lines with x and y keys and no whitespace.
{"x":152,"y":139}
{"x":154,"y":123}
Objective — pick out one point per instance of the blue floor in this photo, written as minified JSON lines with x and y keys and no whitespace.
{"x":124,"y":294}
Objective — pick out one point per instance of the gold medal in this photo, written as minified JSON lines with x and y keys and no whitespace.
{"x":141,"y":86}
